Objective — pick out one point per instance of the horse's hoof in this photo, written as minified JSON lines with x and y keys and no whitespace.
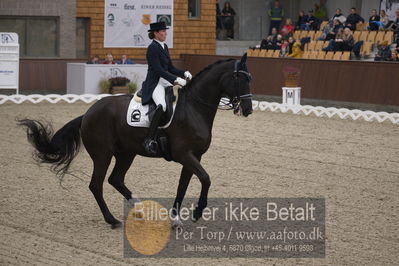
{"x":196,"y":215}
{"x":116,"y":225}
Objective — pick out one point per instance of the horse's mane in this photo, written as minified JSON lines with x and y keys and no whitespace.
{"x":205,"y":70}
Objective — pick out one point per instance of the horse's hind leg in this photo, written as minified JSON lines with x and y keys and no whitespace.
{"x":117,"y":177}
{"x":96,"y":187}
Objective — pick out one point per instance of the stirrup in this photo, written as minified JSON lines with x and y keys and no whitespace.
{"x":151,"y":146}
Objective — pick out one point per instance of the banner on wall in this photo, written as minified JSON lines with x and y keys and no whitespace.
{"x":390,"y":6}
{"x":126,"y":22}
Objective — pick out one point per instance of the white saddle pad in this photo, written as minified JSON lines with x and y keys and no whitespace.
{"x":137,"y":113}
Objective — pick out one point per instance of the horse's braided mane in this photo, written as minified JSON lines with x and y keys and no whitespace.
{"x":206,"y":69}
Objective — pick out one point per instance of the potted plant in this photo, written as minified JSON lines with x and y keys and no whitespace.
{"x":105,"y":86}
{"x":119,"y":85}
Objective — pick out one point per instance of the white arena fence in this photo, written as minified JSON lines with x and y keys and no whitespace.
{"x":318,"y":111}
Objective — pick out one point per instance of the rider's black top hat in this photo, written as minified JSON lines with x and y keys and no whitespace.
{"x":158,"y":26}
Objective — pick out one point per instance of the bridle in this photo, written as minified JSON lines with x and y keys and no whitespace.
{"x":235,"y":102}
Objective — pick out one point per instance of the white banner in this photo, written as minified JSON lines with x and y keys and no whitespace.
{"x":9,"y":60}
{"x":390,"y":6}
{"x":126,"y":22}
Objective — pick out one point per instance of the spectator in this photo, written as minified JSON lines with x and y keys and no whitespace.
{"x":279,"y":42}
{"x":93,"y":60}
{"x":395,"y":26}
{"x":393,"y":57}
{"x":228,"y":13}
{"x":284,"y":48}
{"x":218,"y":20}
{"x":287,"y":29}
{"x":296,"y":51}
{"x":109,"y":59}
{"x":384,"y":19}
{"x":125,"y":61}
{"x":313,"y":22}
{"x":384,"y":52}
{"x":343,"y":42}
{"x":276,"y":14}
{"x":338,"y":15}
{"x":270,"y":41}
{"x":291,"y":42}
{"x":374,"y":21}
{"x":328,"y":32}
{"x":302,"y":19}
{"x":353,"y":19}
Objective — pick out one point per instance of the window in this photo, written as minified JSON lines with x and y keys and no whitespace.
{"x":194,"y":7}
{"x":38,"y":36}
{"x":82,"y":37}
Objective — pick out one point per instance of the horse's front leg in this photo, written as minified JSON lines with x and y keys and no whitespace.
{"x":191,"y":163}
{"x":184,"y":180}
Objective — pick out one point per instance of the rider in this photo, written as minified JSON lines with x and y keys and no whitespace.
{"x":161,"y":74}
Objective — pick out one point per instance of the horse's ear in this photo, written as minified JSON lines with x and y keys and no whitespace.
{"x":243,"y":59}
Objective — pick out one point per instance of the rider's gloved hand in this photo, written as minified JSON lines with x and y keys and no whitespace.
{"x":188,"y":75}
{"x":181,"y":82}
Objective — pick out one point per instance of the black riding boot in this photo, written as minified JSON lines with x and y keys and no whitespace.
{"x":150,"y":143}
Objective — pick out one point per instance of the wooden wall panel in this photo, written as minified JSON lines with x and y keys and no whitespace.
{"x":350,"y":81}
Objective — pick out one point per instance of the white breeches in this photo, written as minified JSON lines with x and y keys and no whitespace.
{"x":158,"y":94}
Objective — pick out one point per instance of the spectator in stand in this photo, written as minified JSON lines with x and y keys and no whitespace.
{"x":384,"y":19}
{"x":94,"y":60}
{"x":109,"y":59}
{"x":343,"y":42}
{"x":313,"y":22}
{"x":384,"y":52}
{"x":395,"y":56}
{"x":296,"y":51}
{"x":338,"y":15}
{"x":125,"y":61}
{"x":279,"y":42}
{"x":328,"y":32}
{"x":284,"y":48}
{"x":396,"y":26}
{"x":270,"y":41}
{"x":353,"y":19}
{"x":218,"y":20}
{"x":229,"y":13}
{"x":276,"y":14}
{"x":332,"y":33}
{"x":374,"y":21}
{"x":302,"y":19}
{"x":291,"y":42}
{"x":287,"y":29}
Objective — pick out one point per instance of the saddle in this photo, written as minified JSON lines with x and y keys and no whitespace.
{"x":171,"y":95}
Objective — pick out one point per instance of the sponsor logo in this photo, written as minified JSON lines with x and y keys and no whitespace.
{"x":6,"y":38}
{"x":138,"y":40}
{"x":146,"y":19}
{"x":165,"y":18}
{"x":136,"y":116}
{"x":117,"y":72}
{"x":129,"y":7}
{"x":111,"y":19}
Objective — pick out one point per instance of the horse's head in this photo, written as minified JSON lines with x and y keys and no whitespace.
{"x":235,"y":86}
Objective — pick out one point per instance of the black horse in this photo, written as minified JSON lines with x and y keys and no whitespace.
{"x":105,"y":133}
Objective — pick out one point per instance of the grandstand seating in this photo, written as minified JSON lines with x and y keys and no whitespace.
{"x":313,"y":49}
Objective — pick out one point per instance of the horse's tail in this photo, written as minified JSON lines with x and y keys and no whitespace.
{"x":58,"y":149}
